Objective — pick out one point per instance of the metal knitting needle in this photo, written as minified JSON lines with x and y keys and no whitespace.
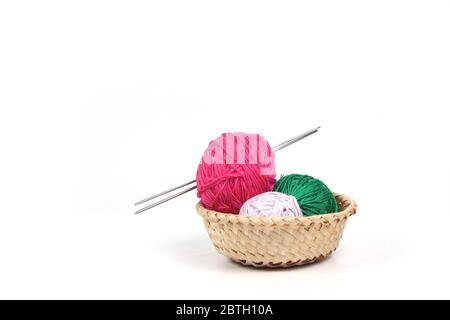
{"x":164,"y":192}
{"x":278,"y":147}
{"x":166,"y":199}
{"x":288,"y":142}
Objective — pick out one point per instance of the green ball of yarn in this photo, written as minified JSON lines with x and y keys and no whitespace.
{"x":312,"y":194}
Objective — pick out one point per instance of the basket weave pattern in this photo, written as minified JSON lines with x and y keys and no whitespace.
{"x":277,"y":241}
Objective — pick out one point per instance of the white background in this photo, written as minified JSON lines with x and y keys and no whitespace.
{"x":105,"y":102}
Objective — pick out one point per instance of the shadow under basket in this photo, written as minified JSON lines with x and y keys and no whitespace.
{"x":277,"y":242}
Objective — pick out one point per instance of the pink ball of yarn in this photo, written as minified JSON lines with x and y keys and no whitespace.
{"x":272,"y":204}
{"x":234,"y":168}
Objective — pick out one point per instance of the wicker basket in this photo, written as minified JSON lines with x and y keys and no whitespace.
{"x":277,"y":242}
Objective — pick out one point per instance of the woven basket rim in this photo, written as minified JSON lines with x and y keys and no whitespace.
{"x":346,"y":204}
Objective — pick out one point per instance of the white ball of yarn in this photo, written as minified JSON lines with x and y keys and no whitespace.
{"x":271,"y":204}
